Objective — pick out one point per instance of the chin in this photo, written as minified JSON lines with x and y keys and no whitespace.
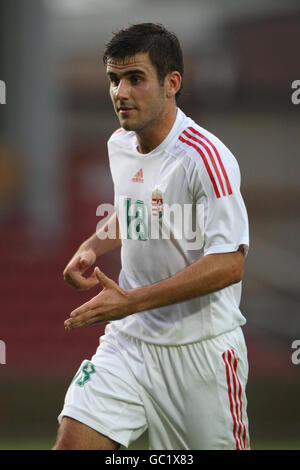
{"x":128,"y":127}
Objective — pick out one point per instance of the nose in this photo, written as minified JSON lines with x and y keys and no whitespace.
{"x":123,"y":90}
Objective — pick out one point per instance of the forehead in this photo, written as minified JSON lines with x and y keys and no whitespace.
{"x":140,"y":61}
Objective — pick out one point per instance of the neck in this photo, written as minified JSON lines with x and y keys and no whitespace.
{"x":153,"y":135}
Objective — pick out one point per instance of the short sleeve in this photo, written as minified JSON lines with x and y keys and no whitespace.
{"x":216,"y":187}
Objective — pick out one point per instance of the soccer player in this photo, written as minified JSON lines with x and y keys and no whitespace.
{"x":173,"y":358}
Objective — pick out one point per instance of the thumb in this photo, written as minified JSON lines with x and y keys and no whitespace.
{"x":104,"y":280}
{"x":84,"y":261}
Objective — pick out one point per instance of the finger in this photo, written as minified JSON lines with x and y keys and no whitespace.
{"x":83,"y":262}
{"x":70,"y":324}
{"x":75,"y":279}
{"x":86,"y":308}
{"x":86,"y":260}
{"x":70,"y":280}
{"x":80,"y":321}
{"x":106,"y":281}
{"x":76,"y":322}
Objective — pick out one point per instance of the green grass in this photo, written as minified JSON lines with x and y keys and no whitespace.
{"x":276,"y":445}
{"x":33,"y":426}
{"x":25,"y":445}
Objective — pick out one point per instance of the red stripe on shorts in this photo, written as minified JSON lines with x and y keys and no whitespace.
{"x":238,"y":410}
{"x":240,"y":400}
{"x":231,"y":401}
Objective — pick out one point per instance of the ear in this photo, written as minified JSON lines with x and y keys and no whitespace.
{"x":173,"y":81}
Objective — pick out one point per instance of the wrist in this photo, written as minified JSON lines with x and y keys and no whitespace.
{"x":138,"y":299}
{"x":131,"y":301}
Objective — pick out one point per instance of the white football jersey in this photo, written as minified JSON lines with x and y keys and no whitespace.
{"x":176,"y":204}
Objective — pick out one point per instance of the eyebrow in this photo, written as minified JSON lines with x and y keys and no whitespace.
{"x":128,"y":72}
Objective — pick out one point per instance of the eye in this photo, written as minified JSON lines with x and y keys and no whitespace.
{"x":135,"y":79}
{"x":114,"y":81}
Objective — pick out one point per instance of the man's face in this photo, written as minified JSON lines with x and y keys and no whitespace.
{"x":138,"y":97}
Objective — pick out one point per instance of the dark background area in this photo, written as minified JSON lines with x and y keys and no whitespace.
{"x":241,"y":59}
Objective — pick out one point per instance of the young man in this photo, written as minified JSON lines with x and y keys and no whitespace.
{"x":173,"y":358}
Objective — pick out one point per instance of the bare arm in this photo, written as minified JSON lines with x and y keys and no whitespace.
{"x":87,"y":254}
{"x":101,"y":244}
{"x":208,"y":274}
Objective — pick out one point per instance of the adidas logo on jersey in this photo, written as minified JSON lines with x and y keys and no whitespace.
{"x":138,"y":177}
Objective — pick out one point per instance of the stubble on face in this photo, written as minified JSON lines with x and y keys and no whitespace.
{"x":137,"y":95}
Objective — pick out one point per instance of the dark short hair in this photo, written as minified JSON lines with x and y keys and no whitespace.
{"x":163,"y":47}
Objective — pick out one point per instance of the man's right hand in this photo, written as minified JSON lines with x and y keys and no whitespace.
{"x":74,"y":271}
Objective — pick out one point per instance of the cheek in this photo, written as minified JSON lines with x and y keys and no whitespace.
{"x":151,"y":96}
{"x":112,"y":94}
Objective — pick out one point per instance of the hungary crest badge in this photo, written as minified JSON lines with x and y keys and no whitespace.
{"x":157,"y":203}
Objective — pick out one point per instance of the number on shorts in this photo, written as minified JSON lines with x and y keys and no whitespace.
{"x":84,"y":373}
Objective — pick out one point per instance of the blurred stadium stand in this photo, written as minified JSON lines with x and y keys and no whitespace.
{"x":240,"y":62}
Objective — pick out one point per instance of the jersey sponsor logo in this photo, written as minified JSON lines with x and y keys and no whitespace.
{"x":138,"y":177}
{"x":234,"y":389}
{"x":211,"y":159}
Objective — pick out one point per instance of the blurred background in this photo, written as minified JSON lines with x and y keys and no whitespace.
{"x":241,"y":59}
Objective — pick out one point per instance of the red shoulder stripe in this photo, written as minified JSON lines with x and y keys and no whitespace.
{"x":218,"y":157}
{"x":211,"y":159}
{"x":202,"y":155}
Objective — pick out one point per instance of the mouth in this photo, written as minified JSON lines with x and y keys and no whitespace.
{"x":124,"y":110}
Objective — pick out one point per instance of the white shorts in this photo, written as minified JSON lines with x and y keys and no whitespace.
{"x":188,"y":397}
